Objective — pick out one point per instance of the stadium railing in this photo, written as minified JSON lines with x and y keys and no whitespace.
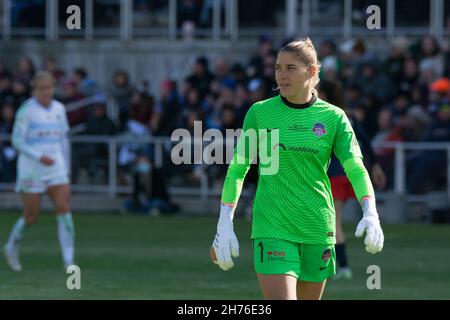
{"x":298,"y":17}
{"x":163,"y":145}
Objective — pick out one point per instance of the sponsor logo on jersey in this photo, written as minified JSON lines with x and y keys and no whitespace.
{"x":302,"y":149}
{"x":297,"y":127}
{"x":319,"y":129}
{"x":28,"y":183}
{"x":279,"y":145}
{"x":276,"y":255}
{"x":294,"y":148}
{"x":326,"y":255}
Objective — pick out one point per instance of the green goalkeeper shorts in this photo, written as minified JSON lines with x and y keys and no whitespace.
{"x":306,"y":262}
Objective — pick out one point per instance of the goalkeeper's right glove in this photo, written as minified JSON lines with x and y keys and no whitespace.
{"x":225,"y":243}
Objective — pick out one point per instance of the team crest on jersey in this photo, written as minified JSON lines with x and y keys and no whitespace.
{"x":319,"y":129}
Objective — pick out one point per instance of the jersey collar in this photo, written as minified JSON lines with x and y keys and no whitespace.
{"x":41,"y":106}
{"x":299,"y":106}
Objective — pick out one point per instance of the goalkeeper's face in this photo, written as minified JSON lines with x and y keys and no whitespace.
{"x":292,"y":76}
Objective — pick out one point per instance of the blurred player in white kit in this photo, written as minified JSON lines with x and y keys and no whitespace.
{"x":40,"y":137}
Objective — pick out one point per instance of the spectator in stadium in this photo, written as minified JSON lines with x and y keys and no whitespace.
{"x":419,"y":97}
{"x":150,"y":192}
{"x":7,"y":152}
{"x":330,"y":62}
{"x":7,"y":113}
{"x":355,"y":53}
{"x":387,"y":132}
{"x":5,"y":88}
{"x":427,"y":75}
{"x":93,"y":157}
{"x":221,"y":68}
{"x":255,"y":67}
{"x":393,"y":65}
{"x":257,"y":89}
{"x":352,"y":96}
{"x":447,"y":58}
{"x":409,"y":76}
{"x":227,"y":96}
{"x":428,"y":166}
{"x":375,"y":83}
{"x":121,"y":91}
{"x":133,"y":153}
{"x":25,"y":69}
{"x":99,"y":123}
{"x":189,"y":12}
{"x":192,"y":102}
{"x":400,"y":107}
{"x":69,"y":94}
{"x":268,"y":76}
{"x":242,"y":101}
{"x":149,"y":181}
{"x":201,"y":78}
{"x":142,"y":105}
{"x":331,"y":90}
{"x":51,"y":65}
{"x":293,"y":210}
{"x":429,"y":55}
{"x":20,"y":92}
{"x":86,"y":85}
{"x":4,"y":72}
{"x":167,"y":115}
{"x":371,"y":106}
{"x":329,"y":70}
{"x":438,"y":94}
{"x":150,"y":189}
{"x":238,"y":73}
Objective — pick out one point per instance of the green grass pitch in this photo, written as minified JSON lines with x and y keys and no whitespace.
{"x":141,"y":257}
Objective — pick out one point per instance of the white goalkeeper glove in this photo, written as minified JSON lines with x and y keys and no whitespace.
{"x":225,"y":243}
{"x":370,"y":223}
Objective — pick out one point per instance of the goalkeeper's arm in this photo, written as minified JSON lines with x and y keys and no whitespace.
{"x":370,"y":223}
{"x":225,"y":245}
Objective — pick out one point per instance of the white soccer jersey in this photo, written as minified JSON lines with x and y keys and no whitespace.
{"x":40,"y":131}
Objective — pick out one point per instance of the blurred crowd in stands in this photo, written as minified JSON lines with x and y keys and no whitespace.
{"x":401,"y":96}
{"x":31,"y":13}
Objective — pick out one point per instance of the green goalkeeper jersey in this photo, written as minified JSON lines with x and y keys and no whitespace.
{"x":293,"y":201}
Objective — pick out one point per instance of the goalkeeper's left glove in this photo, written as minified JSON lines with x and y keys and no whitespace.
{"x":370,"y":223}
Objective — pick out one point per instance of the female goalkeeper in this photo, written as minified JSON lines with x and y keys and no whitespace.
{"x":39,"y":135}
{"x":293,"y":228}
